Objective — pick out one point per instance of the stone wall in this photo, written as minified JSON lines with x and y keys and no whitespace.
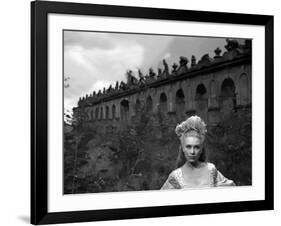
{"x":211,"y":88}
{"x":211,"y":95}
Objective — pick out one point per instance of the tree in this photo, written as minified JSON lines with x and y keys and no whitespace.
{"x":65,"y":82}
{"x":67,"y":113}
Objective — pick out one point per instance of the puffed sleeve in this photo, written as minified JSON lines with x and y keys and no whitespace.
{"x":221,"y":180}
{"x":171,"y":182}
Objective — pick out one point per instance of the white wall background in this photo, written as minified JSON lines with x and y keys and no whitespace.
{"x":15,"y":113}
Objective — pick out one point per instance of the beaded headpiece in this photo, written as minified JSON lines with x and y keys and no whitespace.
{"x":193,"y":126}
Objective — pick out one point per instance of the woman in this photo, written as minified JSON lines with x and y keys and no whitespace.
{"x":192,"y":169}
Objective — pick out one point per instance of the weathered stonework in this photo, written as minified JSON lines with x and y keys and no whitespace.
{"x":211,"y":88}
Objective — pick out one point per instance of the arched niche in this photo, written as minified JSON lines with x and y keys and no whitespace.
{"x":163,"y":107}
{"x":201,"y":92}
{"x":138,"y":107}
{"x":228,"y":95}
{"x":180,"y":103}
{"x":227,"y":88}
{"x":149,"y":104}
{"x":201,"y":101}
{"x":124,"y":110}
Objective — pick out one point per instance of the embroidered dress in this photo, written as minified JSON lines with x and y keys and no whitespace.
{"x":205,"y":176}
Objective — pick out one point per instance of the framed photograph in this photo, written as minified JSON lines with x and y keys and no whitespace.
{"x":145,"y":112}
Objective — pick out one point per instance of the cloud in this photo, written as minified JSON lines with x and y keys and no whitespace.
{"x":93,"y":67}
{"x":88,"y":40}
{"x":167,"y":55}
{"x":107,"y":65}
{"x":99,"y":85}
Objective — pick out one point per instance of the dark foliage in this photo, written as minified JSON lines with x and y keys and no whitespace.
{"x":141,"y":156}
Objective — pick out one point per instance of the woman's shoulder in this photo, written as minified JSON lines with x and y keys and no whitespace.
{"x":219,"y":179}
{"x":173,"y":180}
{"x":175,"y":173}
{"x":210,"y":166}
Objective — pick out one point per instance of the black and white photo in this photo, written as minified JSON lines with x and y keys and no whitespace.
{"x":125,"y":97}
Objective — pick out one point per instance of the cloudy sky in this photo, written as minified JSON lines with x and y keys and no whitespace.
{"x":93,"y":60}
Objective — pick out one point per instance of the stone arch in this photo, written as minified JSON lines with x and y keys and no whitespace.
{"x":124,"y":110}
{"x":97,"y":113}
{"x":113,"y":111}
{"x":163,"y":107}
{"x":106,"y":112}
{"x":180,"y":103}
{"x":201,"y":92}
{"x":228,"y":95}
{"x":138,"y":107}
{"x":227,"y":88}
{"x":244,"y":89}
{"x":149,"y":104}
{"x":201,"y":101}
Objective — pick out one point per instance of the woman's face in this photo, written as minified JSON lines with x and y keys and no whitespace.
{"x":192,"y":148}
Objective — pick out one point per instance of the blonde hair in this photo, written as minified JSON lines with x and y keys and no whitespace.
{"x":193,"y":126}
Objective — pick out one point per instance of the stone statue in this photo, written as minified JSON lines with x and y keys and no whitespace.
{"x":151,"y":73}
{"x":183,"y":61}
{"x":183,"y":65}
{"x":123,"y":86}
{"x":151,"y":76}
{"x":146,"y":78}
{"x":175,"y":66}
{"x":129,"y":75}
{"x":217,"y":52}
{"x":141,"y":78}
{"x":193,"y":61}
{"x":117,"y":85}
{"x":109,"y":90}
{"x":205,"y":59}
{"x":140,"y":74}
{"x":131,"y":79}
{"x":166,"y":67}
{"x":160,"y":74}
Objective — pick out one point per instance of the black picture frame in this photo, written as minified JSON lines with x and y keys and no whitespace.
{"x":39,"y":112}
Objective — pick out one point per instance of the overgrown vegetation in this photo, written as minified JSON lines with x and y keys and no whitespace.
{"x":141,"y":156}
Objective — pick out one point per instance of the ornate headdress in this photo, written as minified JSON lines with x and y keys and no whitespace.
{"x":193,"y":126}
